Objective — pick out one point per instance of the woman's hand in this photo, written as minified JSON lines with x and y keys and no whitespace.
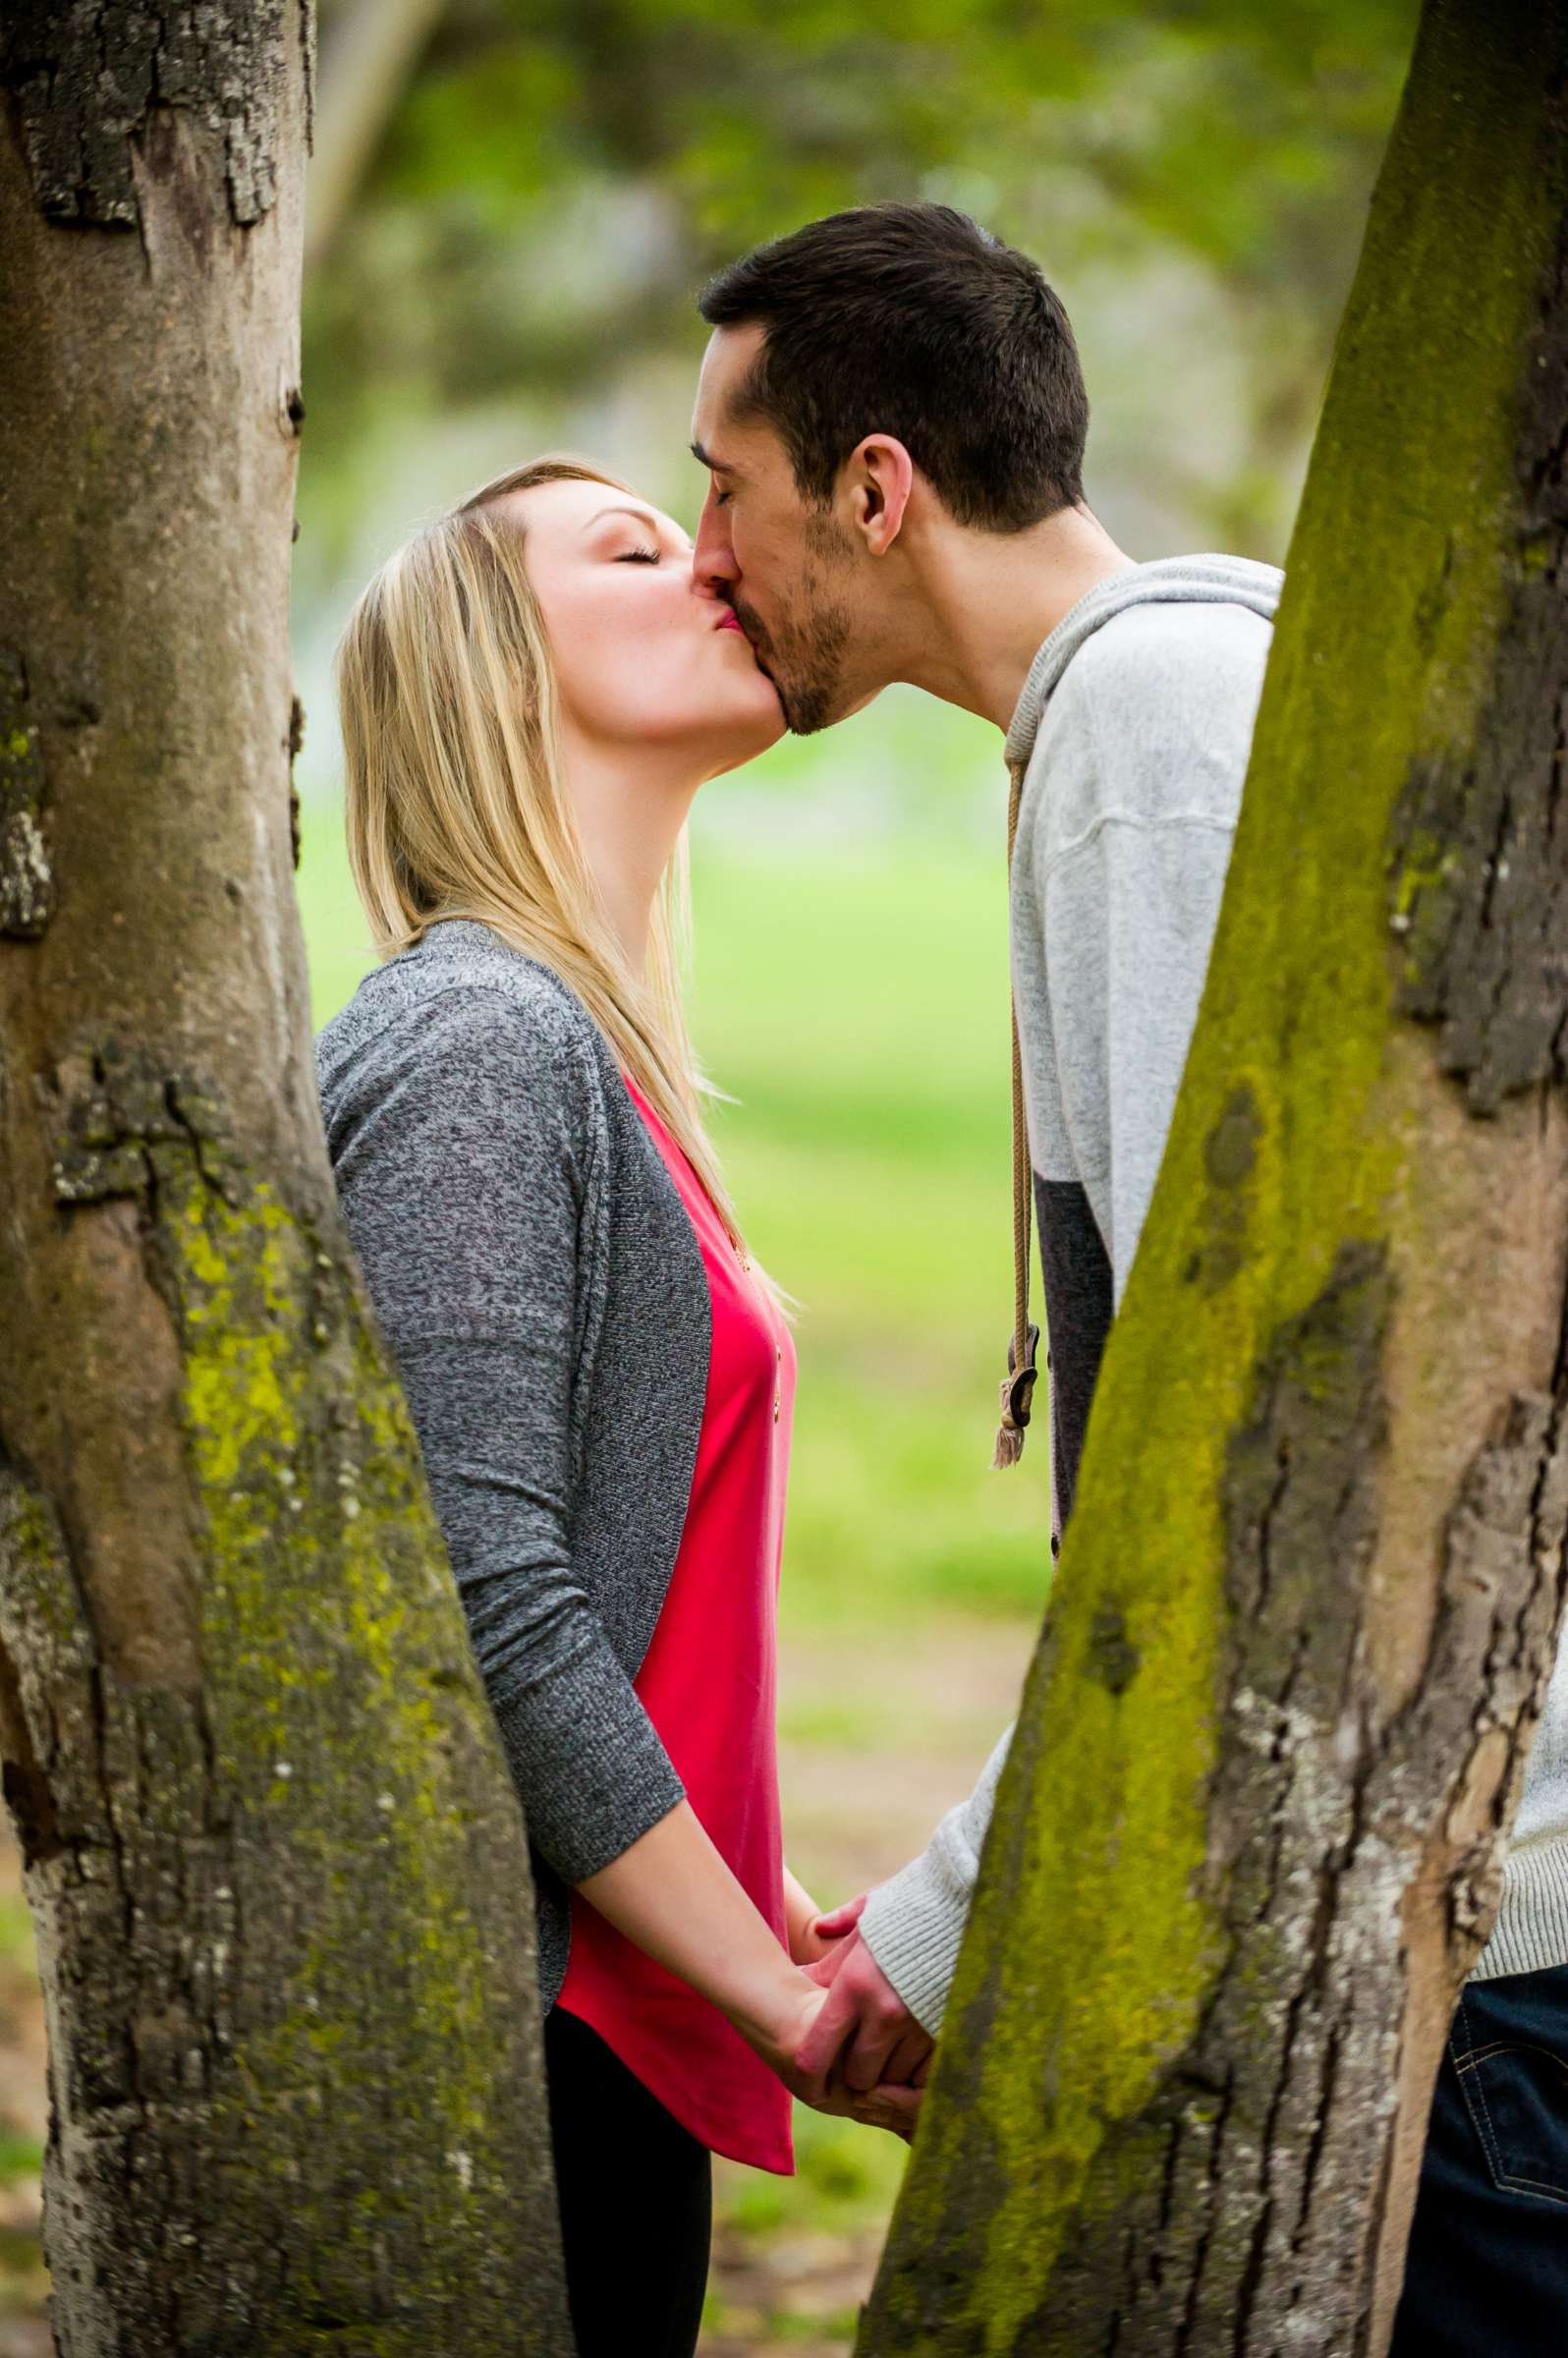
{"x":809,"y":1943}
{"x":893,"y":2108}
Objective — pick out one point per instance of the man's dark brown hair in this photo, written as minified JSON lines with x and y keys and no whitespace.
{"x":909,"y":319}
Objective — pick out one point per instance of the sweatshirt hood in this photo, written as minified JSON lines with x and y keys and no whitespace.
{"x":1169,"y":581}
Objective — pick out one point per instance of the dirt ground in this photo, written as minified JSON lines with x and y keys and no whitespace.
{"x":875,"y":1746}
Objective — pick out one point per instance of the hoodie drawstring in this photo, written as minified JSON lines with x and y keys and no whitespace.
{"x":1212,"y":581}
{"x":1017,"y":1384}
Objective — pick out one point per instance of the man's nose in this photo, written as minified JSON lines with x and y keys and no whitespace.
{"x":713,"y":559}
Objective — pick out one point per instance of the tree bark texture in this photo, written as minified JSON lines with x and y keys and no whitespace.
{"x":278,"y":1870}
{"x":1248,"y":1843}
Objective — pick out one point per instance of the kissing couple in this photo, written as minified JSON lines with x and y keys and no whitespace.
{"x":891,"y":415}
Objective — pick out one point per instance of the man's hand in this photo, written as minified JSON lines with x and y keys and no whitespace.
{"x":862,"y":2035}
{"x":887,"y":2108}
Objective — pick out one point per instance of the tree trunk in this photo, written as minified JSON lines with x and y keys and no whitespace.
{"x":278,"y":1870}
{"x":1248,"y":1843}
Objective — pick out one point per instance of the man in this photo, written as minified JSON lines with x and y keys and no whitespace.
{"x":893,"y":417}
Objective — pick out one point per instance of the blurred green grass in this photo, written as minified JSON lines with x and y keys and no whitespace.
{"x":17,"y":1945}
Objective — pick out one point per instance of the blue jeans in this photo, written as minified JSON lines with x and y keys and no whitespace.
{"x":1486,"y":2274}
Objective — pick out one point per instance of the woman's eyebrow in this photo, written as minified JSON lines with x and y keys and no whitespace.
{"x":642,"y":515}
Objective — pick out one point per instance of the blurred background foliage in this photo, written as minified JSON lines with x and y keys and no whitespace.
{"x":511,"y":205}
{"x":519,"y":196}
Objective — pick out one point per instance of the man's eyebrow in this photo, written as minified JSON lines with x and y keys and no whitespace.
{"x":714,"y":466}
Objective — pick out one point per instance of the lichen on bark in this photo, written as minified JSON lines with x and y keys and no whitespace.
{"x":26,"y":883}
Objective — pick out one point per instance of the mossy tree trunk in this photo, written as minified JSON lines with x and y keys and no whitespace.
{"x":1248,"y":1843}
{"x":279,"y":1875}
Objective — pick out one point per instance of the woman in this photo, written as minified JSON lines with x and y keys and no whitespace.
{"x":533,"y":691}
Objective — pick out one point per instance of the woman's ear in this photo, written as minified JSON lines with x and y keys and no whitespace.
{"x":881,"y":476}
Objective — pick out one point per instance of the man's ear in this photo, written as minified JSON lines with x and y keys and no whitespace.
{"x":879,"y":474}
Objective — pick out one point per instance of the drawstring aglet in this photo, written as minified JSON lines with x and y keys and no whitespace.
{"x":1017,"y":1394}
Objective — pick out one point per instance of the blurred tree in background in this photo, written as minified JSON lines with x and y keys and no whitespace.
{"x":527,"y":191}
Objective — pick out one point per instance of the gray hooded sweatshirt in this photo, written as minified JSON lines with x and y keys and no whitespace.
{"x":1135,"y":725}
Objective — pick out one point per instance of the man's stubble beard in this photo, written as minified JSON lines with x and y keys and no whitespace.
{"x":803,"y":653}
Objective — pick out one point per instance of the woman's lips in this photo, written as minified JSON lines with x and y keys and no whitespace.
{"x":731,"y":622}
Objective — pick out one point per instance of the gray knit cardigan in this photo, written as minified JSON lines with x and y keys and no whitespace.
{"x":542,"y":1290}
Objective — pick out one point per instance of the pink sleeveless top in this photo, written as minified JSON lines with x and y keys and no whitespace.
{"x":708,"y":1686}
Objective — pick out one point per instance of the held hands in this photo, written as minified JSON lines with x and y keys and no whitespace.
{"x":854,"y":2050}
{"x":878,"y":2107}
{"x":864,"y":2033}
{"x":672,"y":1895}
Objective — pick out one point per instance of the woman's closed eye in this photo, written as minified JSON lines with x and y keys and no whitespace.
{"x":639,"y":556}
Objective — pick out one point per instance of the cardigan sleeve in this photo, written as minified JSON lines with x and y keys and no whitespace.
{"x":462,"y":1147}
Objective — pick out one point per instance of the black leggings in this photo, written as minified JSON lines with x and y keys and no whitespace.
{"x":636,"y":2202}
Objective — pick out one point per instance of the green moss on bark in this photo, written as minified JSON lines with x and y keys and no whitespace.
{"x":1097,"y":1940}
{"x":347,"y":1723}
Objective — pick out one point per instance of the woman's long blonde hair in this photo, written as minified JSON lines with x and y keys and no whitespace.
{"x":456,"y":805}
